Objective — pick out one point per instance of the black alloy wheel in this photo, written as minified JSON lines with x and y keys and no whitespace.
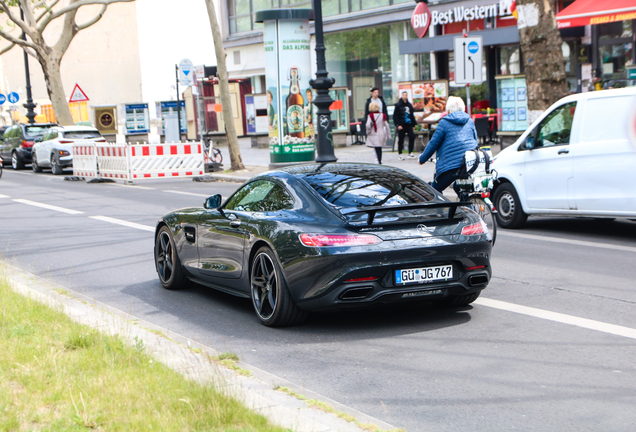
{"x":34,"y":164}
{"x":16,"y":163}
{"x":167,"y":261}
{"x":56,"y":169}
{"x":271,"y":299}
{"x":509,"y":211}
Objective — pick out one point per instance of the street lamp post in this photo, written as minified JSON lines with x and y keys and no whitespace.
{"x":322,"y":84}
{"x":29,"y":105}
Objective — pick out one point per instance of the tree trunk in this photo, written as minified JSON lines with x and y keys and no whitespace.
{"x":55,"y":89}
{"x":542,"y":56}
{"x":230,"y":130}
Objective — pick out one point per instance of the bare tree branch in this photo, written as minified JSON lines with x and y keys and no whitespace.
{"x":94,"y":20}
{"x":27,"y":10}
{"x":74,"y":6}
{"x":17,"y":41}
{"x":4,"y":7}
{"x":66,"y":37}
{"x":49,"y":9}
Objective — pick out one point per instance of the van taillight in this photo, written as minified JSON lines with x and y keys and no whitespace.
{"x":65,"y":142}
{"x":26,"y":144}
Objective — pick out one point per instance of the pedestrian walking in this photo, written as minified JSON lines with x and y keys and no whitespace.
{"x":378,"y":130}
{"x":455,"y":135}
{"x":404,"y":120}
{"x":375,"y":97}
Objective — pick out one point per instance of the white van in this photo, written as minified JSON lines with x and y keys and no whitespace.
{"x":577,"y":159}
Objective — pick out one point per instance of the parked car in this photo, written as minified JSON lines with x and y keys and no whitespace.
{"x":328,"y":236}
{"x":19,"y":140}
{"x":577,"y":159}
{"x":55,"y":151}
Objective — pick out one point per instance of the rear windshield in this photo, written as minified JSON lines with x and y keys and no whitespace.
{"x":369,"y":187}
{"x":82,"y":134}
{"x":36,"y":131}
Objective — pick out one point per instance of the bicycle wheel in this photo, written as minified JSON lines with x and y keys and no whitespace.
{"x":216,"y":155}
{"x":483,"y":210}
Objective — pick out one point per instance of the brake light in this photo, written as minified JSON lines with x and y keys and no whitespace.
{"x":65,"y":142}
{"x":339,"y":239}
{"x":26,"y":144}
{"x":100,"y":140}
{"x":475,"y":229}
{"x":475,"y":268}
{"x":64,"y":153}
{"x":364,"y":279}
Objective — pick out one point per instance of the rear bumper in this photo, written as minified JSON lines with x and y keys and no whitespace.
{"x":331,"y":291}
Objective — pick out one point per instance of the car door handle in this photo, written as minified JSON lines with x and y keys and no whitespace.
{"x":235,"y":223}
{"x":564,"y":151}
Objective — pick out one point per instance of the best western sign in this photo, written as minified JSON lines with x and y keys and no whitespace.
{"x":424,"y":17}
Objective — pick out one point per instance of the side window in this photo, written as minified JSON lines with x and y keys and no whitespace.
{"x":46,"y":136}
{"x":261,"y":195}
{"x":53,"y":134}
{"x":555,"y":128}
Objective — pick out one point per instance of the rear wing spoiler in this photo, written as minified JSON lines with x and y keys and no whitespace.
{"x":372,"y":210}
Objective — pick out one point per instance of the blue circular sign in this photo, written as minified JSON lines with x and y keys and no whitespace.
{"x":14,"y":97}
{"x":473,"y":47}
{"x":3,"y":98}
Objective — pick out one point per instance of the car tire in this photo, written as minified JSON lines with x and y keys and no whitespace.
{"x":458,"y":300}
{"x":509,"y":212}
{"x":16,"y":162}
{"x":167,"y":262}
{"x":272,"y":301}
{"x":34,"y":164}
{"x":56,"y":169}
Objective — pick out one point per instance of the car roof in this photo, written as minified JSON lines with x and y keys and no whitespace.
{"x":341,"y":167}
{"x":627,"y":91}
{"x":76,"y":128}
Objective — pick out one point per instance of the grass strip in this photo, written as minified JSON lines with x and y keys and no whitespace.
{"x":314,"y":403}
{"x":57,"y":375}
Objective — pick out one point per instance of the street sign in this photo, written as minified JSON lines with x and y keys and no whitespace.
{"x":14,"y":97}
{"x":78,"y":95}
{"x":468,"y":58}
{"x":3,"y":99}
{"x":186,"y":69}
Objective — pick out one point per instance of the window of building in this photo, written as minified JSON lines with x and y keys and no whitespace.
{"x":509,"y":58}
{"x":616,"y":49}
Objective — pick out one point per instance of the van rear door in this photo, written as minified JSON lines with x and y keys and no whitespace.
{"x":604,"y":159}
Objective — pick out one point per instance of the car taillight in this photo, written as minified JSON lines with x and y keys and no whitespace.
{"x":65,"y":142}
{"x":363,"y":279}
{"x":100,"y":140}
{"x":26,"y":144}
{"x":339,"y":239}
{"x":475,"y":229}
{"x":64,"y":153}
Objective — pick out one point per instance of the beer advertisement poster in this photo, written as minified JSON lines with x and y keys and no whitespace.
{"x":288,"y":71}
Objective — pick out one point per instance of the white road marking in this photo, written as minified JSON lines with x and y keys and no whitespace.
{"x":559,"y":317}
{"x":186,"y":193}
{"x":128,"y":185}
{"x":5,"y":196}
{"x":47,"y":206}
{"x":567,"y":241}
{"x":124,"y":223}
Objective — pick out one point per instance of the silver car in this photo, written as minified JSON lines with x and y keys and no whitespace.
{"x":55,"y":151}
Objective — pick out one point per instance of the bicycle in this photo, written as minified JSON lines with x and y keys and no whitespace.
{"x":212,"y":154}
{"x":476,"y":189}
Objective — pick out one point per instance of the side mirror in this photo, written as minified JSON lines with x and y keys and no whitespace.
{"x":212,"y":202}
{"x":530,"y":142}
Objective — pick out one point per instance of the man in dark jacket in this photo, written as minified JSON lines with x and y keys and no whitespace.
{"x":375,"y":97}
{"x":455,"y":135}
{"x":404,"y":123}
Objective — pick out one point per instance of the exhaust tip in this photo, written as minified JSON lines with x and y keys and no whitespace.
{"x":356,"y":293}
{"x":477,"y":280}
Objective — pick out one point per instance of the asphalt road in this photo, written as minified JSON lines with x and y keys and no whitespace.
{"x":525,"y":357}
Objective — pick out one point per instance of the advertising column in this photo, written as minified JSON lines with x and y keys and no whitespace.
{"x":289,"y":95}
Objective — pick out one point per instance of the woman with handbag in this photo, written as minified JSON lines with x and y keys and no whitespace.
{"x":378,"y":130}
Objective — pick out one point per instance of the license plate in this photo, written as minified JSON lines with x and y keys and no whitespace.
{"x":424,"y":275}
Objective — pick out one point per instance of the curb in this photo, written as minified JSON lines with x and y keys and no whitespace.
{"x":178,"y":353}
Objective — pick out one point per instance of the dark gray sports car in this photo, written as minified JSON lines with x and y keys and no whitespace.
{"x":328,"y":236}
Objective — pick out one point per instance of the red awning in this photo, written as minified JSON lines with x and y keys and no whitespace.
{"x":584,"y":12}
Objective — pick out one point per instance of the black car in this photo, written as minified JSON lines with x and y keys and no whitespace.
{"x":328,"y":236}
{"x":18,"y":141}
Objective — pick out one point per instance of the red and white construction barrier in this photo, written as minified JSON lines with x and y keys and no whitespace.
{"x":84,"y":159}
{"x":131,"y":162}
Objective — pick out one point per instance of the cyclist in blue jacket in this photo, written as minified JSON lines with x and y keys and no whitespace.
{"x":455,"y":135}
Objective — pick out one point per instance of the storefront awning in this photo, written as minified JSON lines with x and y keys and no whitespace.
{"x":585,"y":12}
{"x":498,"y":36}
